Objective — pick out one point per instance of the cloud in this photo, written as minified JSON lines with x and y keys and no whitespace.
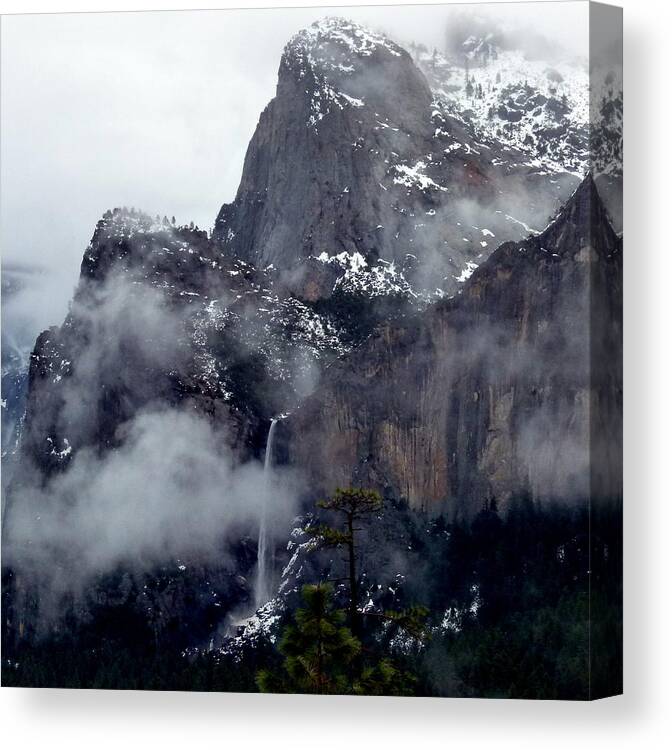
{"x":141,"y":477}
{"x":172,"y":490}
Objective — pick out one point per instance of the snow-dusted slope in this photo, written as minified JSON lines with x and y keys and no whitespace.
{"x":525,"y":104}
{"x":327,"y":51}
{"x":538,"y":108}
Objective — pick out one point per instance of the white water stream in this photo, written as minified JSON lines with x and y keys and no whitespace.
{"x":262,"y":584}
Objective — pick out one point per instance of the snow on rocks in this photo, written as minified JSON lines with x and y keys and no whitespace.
{"x":467,"y":271}
{"x":334,"y":42}
{"x":414,"y":177}
{"x":260,"y":626}
{"x":325,"y":55}
{"x":379,"y":279}
{"x":61,"y":454}
{"x":505,"y":96}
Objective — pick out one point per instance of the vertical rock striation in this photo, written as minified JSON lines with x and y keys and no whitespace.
{"x":489,"y":395}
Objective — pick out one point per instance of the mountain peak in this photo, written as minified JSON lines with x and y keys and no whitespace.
{"x":335,"y":45}
{"x":341,"y":65}
{"x":584,"y":218}
{"x":581,"y":232}
{"x":585,"y":194}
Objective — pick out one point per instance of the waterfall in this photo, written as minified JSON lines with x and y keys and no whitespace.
{"x":262,"y":591}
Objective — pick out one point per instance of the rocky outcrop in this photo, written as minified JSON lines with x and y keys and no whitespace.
{"x":354,"y":155}
{"x":160,"y":319}
{"x":501,"y":391}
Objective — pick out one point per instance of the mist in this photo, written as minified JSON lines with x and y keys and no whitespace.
{"x":170,"y":492}
{"x":159,"y":481}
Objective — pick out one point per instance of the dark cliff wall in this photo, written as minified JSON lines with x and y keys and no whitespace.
{"x":139,"y":335}
{"x":487,"y":395}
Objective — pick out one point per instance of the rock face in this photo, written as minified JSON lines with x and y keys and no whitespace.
{"x":127,"y":343}
{"x":361,"y":196}
{"x":354,"y":155}
{"x":360,"y":193}
{"x":308,"y":167}
{"x":358,"y":196}
{"x":495,"y":393}
{"x":161,"y":319}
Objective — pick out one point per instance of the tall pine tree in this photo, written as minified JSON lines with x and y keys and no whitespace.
{"x":351,"y":506}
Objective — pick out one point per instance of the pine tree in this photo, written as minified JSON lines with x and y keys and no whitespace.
{"x":318,"y":648}
{"x":352,"y":505}
{"x":383,"y":678}
{"x":468,"y":85}
{"x":321,"y":655}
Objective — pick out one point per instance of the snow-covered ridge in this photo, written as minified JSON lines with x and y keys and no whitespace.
{"x":533,"y":107}
{"x":526,"y":104}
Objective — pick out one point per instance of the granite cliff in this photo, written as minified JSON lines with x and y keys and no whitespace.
{"x":355,"y":154}
{"x":495,"y":393}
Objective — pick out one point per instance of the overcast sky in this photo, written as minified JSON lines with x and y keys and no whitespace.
{"x":155,"y":110}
